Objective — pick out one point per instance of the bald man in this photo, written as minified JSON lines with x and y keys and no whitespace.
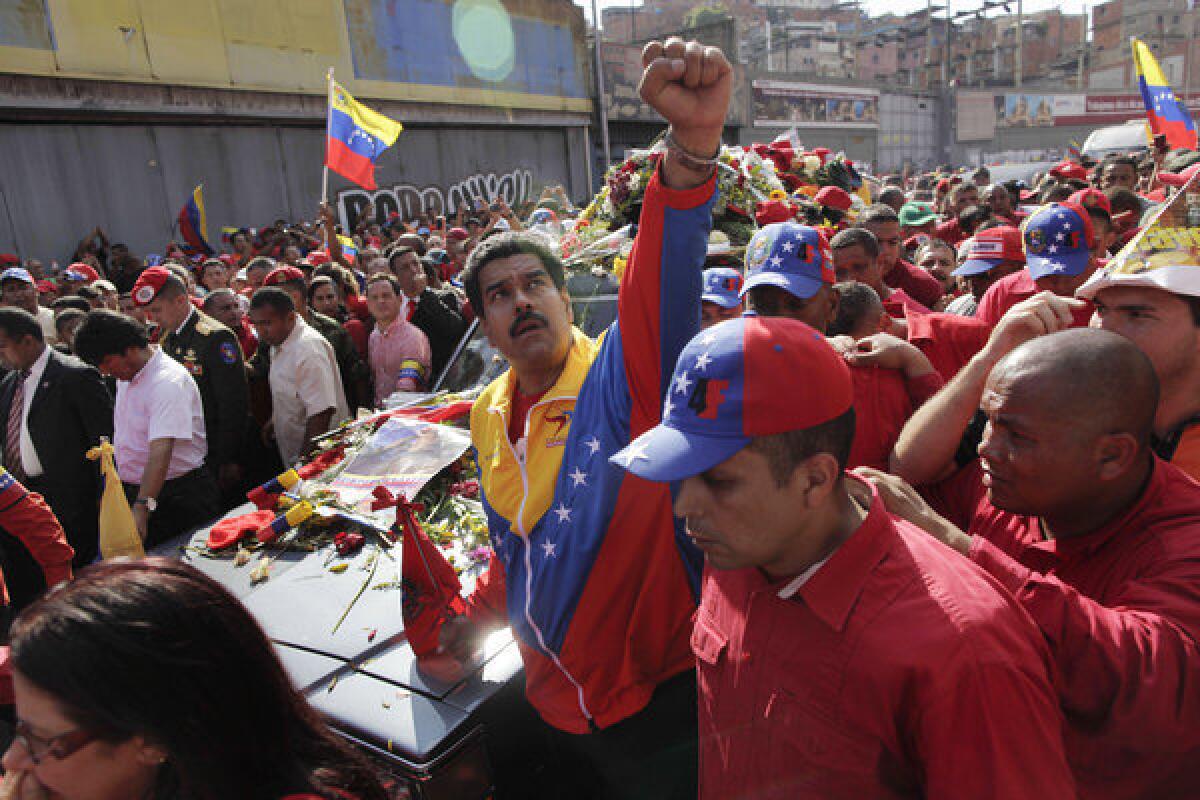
{"x":1097,"y":538}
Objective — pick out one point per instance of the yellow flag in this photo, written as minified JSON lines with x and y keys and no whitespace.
{"x":118,"y":531}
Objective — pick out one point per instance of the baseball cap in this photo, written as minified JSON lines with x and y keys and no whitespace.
{"x":1069,"y":171}
{"x":915,"y":214}
{"x":458,"y":234}
{"x":437,"y":256}
{"x":16,"y":274}
{"x":745,"y":377}
{"x":1178,"y":179}
{"x":722,"y":286}
{"x":542,"y":216}
{"x":788,"y":255}
{"x":283,"y":275}
{"x":423,"y":230}
{"x":1057,"y":240}
{"x":85,"y":270}
{"x":835,"y":198}
{"x":149,"y":284}
{"x":1091,"y":198}
{"x":991,"y":247}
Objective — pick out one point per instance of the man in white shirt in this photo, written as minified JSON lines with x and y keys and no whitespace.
{"x":306,"y":387}
{"x":159,"y":434}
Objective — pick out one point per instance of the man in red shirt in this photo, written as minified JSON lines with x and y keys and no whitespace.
{"x":1097,"y":538}
{"x":1000,"y":201}
{"x":962,"y":197}
{"x":840,"y":652}
{"x":856,"y":257}
{"x":884,"y":224}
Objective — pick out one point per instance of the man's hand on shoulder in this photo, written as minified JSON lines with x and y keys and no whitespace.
{"x":903,"y":501}
{"x":889,"y":352}
{"x":689,"y":84}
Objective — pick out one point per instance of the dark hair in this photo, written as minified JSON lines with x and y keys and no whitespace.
{"x":274,"y":298}
{"x":389,"y":279}
{"x":395,"y":252}
{"x":877,"y":215}
{"x":1100,"y":215}
{"x":106,"y":333}
{"x":1128,"y":161}
{"x":172,"y":287}
{"x":974,"y":216}
{"x":1056,"y":193}
{"x":1122,"y":200}
{"x":318,"y":282}
{"x":67,"y":315}
{"x":214,"y":294}
{"x":261,"y":261}
{"x":890,"y":192}
{"x":785,"y":451}
{"x":506,"y":245}
{"x":855,"y":301}
{"x":70,"y":301}
{"x":17,"y":322}
{"x":856,"y":237}
{"x":88,"y":293}
{"x":155,"y":648}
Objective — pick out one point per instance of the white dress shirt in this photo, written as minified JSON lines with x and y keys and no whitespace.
{"x":45,"y":318}
{"x":161,"y":402}
{"x":29,"y":455}
{"x":305,"y":381}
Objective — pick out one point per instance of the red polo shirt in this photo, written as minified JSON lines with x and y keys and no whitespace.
{"x":1120,"y":608}
{"x":947,"y":340}
{"x":898,"y":669}
{"x":899,"y":304}
{"x":919,"y":284}
{"x":1012,"y":289}
{"x":951,"y":232}
{"x":883,"y":402}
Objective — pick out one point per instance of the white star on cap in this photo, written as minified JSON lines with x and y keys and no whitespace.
{"x":592,"y":444}
{"x":702,"y":361}
{"x":682,"y":383}
{"x":636,"y":452}
{"x":1066,"y":226}
{"x":1052,"y":248}
{"x":548,"y":549}
{"x":564,"y":513}
{"x":1062,"y":237}
{"x":668,"y":407}
{"x":708,"y":338}
{"x":776,"y":261}
{"x":579,"y":477}
{"x":786,"y":247}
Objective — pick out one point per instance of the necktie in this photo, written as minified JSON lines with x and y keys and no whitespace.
{"x":12,"y":442}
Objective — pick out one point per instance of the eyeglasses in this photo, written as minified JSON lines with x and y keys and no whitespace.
{"x":56,"y":747}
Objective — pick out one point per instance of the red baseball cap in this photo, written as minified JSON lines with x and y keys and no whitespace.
{"x":835,"y":198}
{"x":149,"y":284}
{"x":1069,"y":171}
{"x":458,"y":234}
{"x":318,"y":257}
{"x":991,"y":247}
{"x":283,"y":275}
{"x":1091,"y":198}
{"x":85,"y":270}
{"x":745,"y":377}
{"x":1178,"y":179}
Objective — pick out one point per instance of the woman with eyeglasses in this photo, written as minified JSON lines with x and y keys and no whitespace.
{"x":146,"y":680}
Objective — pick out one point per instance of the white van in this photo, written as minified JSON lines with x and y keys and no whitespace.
{"x":1129,"y":138}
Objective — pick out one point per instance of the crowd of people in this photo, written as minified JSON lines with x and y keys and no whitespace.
{"x":905,"y":505}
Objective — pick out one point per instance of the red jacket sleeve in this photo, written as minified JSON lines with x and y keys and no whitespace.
{"x":1132,"y":666}
{"x":487,"y":605}
{"x":26,"y":516}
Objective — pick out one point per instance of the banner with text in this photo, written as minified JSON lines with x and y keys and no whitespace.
{"x":779,"y":104}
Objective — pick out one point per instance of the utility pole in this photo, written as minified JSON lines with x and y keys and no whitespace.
{"x":1083,"y":46}
{"x":600,"y":100}
{"x":946,"y":47}
{"x":1018,"y":65}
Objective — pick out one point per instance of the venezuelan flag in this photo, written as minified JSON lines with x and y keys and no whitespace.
{"x":1164,"y":111}
{"x":349,"y":250}
{"x":356,"y":137}
{"x":193,"y":223}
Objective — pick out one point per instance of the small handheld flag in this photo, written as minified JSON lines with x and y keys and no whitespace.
{"x":118,"y":532}
{"x":193,"y":223}
{"x":1166,"y":113}
{"x":356,"y":137}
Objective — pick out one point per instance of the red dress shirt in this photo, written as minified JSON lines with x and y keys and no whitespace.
{"x":1120,"y":608}
{"x":899,"y":669}
{"x":247,"y":339}
{"x":918,"y":283}
{"x":1012,"y":289}
{"x":883,"y":402}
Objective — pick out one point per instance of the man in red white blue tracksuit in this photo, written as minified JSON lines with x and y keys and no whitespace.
{"x":590,"y":567}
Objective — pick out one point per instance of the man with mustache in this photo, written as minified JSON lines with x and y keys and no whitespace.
{"x":589,"y":567}
{"x":840,"y":652}
{"x":1097,"y":538}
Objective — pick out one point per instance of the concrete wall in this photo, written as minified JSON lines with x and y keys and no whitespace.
{"x":59,"y":180}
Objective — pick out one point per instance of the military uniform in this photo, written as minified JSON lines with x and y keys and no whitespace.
{"x":354,"y":370}
{"x":210,"y":353}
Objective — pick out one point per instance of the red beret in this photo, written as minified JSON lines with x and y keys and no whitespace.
{"x":86,"y":270}
{"x":283,"y":275}
{"x":835,"y":198}
{"x":458,"y":234}
{"x":149,"y":284}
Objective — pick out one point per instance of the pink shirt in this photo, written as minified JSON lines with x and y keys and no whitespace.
{"x":388,"y":350}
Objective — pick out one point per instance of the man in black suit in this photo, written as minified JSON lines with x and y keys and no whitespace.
{"x":53,"y":408}
{"x":435,"y":313}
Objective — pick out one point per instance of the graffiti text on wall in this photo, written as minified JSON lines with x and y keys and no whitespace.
{"x":408,"y":201}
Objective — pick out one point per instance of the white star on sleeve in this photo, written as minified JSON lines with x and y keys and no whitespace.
{"x":682,"y":383}
{"x":702,"y":361}
{"x":548,"y":549}
{"x":592,"y":444}
{"x":564,"y":513}
{"x":708,"y":338}
{"x":579,"y":477}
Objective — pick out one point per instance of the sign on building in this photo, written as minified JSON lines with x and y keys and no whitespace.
{"x":782,"y":104}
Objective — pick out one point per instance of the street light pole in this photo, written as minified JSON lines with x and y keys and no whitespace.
{"x":600,"y":101}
